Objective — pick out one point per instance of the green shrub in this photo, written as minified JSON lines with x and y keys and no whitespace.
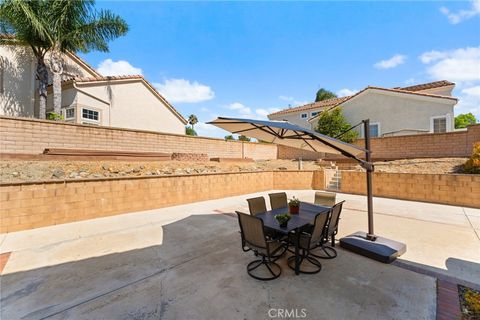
{"x":473,"y":164}
{"x":54,"y":116}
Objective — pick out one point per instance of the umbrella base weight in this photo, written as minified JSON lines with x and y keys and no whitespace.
{"x":382,"y":249}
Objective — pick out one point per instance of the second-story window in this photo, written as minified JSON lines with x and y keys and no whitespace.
{"x":304,"y":115}
{"x":92,"y":115}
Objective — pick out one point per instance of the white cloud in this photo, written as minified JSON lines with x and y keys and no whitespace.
{"x":181,"y":90}
{"x":109,"y":67}
{"x":462,"y":15}
{"x":240,"y":108}
{"x":346,"y":92}
{"x":265,"y":112}
{"x":394,"y":61}
{"x":462,"y":65}
{"x":286,"y":98}
{"x":473,"y":91}
{"x":410,"y":81}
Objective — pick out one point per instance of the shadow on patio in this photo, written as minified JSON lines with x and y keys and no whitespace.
{"x":199,"y":272}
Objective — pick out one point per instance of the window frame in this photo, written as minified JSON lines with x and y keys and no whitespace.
{"x":302,"y":116}
{"x":314,"y":113}
{"x":83,"y":119}
{"x":65,"y":110}
{"x":432,"y":123}
{"x":379,"y":130}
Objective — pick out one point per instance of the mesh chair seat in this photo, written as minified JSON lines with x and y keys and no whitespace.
{"x":278,"y":200}
{"x":325,"y":198}
{"x":254,"y":238}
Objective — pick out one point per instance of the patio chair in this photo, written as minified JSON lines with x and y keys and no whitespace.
{"x":253,"y":238}
{"x":278,"y":200}
{"x":309,"y":241}
{"x":328,"y":252}
{"x":325,"y":198}
{"x":257,"y":205}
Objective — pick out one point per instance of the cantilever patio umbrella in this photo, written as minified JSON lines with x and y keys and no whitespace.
{"x":285,"y":133}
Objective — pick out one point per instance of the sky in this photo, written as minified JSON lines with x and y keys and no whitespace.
{"x":248,"y":59}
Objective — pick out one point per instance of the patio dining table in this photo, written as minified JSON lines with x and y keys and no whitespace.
{"x":305,"y":216}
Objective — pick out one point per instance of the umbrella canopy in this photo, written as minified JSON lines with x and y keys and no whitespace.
{"x":285,"y":133}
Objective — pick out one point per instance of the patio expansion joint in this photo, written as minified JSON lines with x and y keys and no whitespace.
{"x":409,"y":218}
{"x":98,"y":296}
{"x":471,"y":224}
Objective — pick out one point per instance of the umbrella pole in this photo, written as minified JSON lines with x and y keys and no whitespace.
{"x":368,"y":244}
{"x":369,"y":169}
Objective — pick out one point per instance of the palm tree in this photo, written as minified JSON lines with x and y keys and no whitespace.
{"x":24,"y":20}
{"x":192,"y":120}
{"x":59,"y":26}
{"x":323,"y":94}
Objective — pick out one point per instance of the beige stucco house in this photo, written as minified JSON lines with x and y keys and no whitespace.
{"x":87,"y":96}
{"x":423,"y":108}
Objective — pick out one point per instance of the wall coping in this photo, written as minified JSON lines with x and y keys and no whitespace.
{"x":466,"y":131}
{"x":65,"y":181}
{"x":24,"y":119}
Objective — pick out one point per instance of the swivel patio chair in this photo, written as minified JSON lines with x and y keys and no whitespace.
{"x":278,"y":200}
{"x":328,"y":252}
{"x":257,"y":205}
{"x":325,"y":198}
{"x":308,"y":242}
{"x":254,"y":239}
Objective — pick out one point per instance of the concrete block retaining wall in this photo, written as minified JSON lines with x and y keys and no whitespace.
{"x":32,"y":205}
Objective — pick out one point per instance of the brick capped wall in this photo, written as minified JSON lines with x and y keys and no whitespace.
{"x":453,"y":189}
{"x":32,"y":136}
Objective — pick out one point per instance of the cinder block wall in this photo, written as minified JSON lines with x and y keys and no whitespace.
{"x":32,"y":136}
{"x":431,"y":145}
{"x":453,"y":189}
{"x":33,"y":205}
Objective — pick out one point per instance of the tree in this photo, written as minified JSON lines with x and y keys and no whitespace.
{"x":24,"y":20}
{"x":229,"y":137}
{"x":465,"y":119}
{"x":192,"y":120}
{"x":332,"y":123}
{"x":58,"y":26}
{"x":323,"y":94}
{"x":190,"y":132}
{"x":243,"y":138}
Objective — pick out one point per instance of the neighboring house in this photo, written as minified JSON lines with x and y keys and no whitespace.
{"x":416,"y":109}
{"x":87,"y":97}
{"x":123,"y":101}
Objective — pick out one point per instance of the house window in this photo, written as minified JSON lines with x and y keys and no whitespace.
{"x":440,"y":124}
{"x":89,"y":114}
{"x":314,"y":113}
{"x":374,"y":130}
{"x":69,"y":113}
{"x":304,"y":115}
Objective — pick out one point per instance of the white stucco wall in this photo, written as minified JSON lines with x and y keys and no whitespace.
{"x":133,"y":106}
{"x":19,"y":96}
{"x":295,"y":117}
{"x":18,"y":72}
{"x":396,"y":112}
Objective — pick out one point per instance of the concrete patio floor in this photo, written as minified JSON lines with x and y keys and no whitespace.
{"x":185,"y":262}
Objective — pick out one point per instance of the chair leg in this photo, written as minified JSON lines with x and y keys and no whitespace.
{"x":326,"y":253}
{"x":306,"y":256}
{"x":274,"y":269}
{"x":333,"y":240}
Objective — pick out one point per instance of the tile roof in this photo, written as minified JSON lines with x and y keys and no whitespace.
{"x":414,"y":90}
{"x":314,"y":105}
{"x":127,"y":77}
{"x":426,"y":86}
